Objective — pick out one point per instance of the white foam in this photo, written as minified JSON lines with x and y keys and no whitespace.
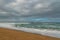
{"x":6,"y":25}
{"x":47,"y":32}
{"x":52,"y":33}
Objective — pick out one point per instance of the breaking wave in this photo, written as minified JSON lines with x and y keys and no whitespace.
{"x":48,"y":32}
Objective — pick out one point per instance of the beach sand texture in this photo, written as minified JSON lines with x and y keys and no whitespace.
{"x":7,"y":34}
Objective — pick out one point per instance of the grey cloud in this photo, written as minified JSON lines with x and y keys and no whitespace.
{"x":47,"y":8}
{"x":41,"y":11}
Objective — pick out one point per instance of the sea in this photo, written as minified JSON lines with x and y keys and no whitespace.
{"x":45,"y":28}
{"x":40,"y":25}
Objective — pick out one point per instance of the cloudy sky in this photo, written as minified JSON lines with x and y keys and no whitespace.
{"x":30,"y":10}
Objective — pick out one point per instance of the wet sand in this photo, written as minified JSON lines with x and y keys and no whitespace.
{"x":7,"y":34}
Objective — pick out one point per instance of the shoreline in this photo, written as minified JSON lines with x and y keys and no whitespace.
{"x":10,"y":34}
{"x":52,"y":33}
{"x":45,"y":32}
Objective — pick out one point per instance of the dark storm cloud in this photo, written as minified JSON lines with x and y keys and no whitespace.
{"x":30,"y":8}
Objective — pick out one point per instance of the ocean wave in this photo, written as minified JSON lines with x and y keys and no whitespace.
{"x":48,"y":32}
{"x":51,"y":26}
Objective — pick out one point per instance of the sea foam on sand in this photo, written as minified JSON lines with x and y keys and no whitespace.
{"x":53,"y":33}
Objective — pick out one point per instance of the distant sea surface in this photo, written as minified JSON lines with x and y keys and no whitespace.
{"x":41,"y":25}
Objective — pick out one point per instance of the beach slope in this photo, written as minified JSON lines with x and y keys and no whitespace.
{"x":7,"y":34}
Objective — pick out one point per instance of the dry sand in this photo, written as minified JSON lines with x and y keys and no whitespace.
{"x":7,"y":34}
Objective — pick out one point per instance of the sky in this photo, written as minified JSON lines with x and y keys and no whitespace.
{"x":30,"y":10}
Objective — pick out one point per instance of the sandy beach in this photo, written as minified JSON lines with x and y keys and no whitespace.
{"x":7,"y":34}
